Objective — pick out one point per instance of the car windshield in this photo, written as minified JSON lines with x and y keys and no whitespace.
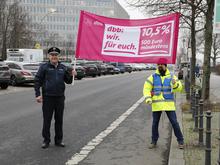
{"x":31,"y":66}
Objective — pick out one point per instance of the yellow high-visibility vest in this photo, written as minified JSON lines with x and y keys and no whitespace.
{"x":159,"y":103}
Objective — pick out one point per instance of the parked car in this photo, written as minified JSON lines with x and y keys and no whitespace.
{"x":80,"y":72}
{"x":139,"y":66}
{"x":128,"y":68}
{"x":151,"y":67}
{"x":4,"y":75}
{"x":119,"y":65}
{"x":101,"y":68}
{"x":104,"y":69}
{"x":22,"y":72}
{"x":110,"y":69}
{"x":116,"y":70}
{"x":79,"y":69}
{"x":90,"y":69}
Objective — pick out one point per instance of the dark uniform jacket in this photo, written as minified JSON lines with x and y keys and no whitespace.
{"x":52,"y":79}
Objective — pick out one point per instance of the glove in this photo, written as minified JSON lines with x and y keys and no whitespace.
{"x":174,"y":81}
{"x":148,"y":101}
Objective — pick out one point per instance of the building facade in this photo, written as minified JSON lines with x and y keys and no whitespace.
{"x":55,"y":22}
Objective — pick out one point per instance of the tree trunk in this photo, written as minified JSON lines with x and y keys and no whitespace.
{"x":193,"y":46}
{"x":4,"y":48}
{"x":207,"y":52}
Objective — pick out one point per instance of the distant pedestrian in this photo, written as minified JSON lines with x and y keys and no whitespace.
{"x":159,"y":91}
{"x":52,"y":77}
{"x":197,"y":70}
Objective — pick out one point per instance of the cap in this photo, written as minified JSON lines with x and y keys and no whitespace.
{"x":162,"y":61}
{"x":54,"y":50}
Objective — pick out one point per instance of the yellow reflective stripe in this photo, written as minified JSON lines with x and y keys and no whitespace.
{"x":148,"y":97}
{"x":149,"y":82}
{"x":166,"y":87}
{"x":157,"y":101}
{"x":157,"y":93}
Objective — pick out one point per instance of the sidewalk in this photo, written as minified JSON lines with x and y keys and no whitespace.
{"x":193,"y":154}
{"x":176,"y":155}
{"x":128,"y":144}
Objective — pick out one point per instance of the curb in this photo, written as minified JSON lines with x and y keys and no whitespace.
{"x":176,"y":155}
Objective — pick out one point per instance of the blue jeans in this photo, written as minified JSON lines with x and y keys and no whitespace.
{"x":173,"y":120}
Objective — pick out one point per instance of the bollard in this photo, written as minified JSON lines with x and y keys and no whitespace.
{"x":187,"y":87}
{"x":191,"y":98}
{"x":201,"y":123}
{"x":193,"y":104}
{"x":208,"y":148}
{"x":196,"y":112}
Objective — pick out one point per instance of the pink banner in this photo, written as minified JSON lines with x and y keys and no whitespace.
{"x":133,"y":41}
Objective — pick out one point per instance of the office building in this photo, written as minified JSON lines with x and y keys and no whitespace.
{"x":55,"y":22}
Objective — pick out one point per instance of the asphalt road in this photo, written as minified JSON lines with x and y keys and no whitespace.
{"x":91,"y":105}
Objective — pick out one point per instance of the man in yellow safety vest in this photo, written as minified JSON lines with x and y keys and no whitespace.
{"x":159,"y":91}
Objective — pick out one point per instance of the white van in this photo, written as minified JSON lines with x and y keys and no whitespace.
{"x":25,"y":55}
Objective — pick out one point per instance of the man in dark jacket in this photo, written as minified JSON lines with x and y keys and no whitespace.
{"x":52,"y":77}
{"x":197,"y":69}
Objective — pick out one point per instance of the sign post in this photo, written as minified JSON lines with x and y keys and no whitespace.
{"x":37,"y":46}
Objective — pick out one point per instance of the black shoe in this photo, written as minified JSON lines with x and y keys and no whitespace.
{"x":60,"y":144}
{"x":45,"y":145}
{"x":181,"y":146}
{"x":152,"y":145}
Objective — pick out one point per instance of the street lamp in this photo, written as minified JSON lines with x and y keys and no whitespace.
{"x":66,"y":41}
{"x":50,"y":11}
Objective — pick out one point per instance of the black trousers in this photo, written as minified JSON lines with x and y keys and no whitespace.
{"x":53,"y":105}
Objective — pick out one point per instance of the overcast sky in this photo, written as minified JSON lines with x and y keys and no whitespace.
{"x":134,"y":13}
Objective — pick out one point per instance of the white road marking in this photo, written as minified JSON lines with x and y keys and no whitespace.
{"x":78,"y":157}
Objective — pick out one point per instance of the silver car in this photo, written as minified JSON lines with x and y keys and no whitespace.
{"x":22,"y":72}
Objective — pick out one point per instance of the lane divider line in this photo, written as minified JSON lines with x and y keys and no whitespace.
{"x":84,"y":152}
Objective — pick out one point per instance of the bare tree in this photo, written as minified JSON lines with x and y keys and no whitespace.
{"x":215,"y":54}
{"x":70,"y":47}
{"x":15,"y":27}
{"x":192,"y":16}
{"x":5,"y":19}
{"x":194,"y":13}
{"x":2,"y":9}
{"x":207,"y":50}
{"x":215,"y":49}
{"x":21,"y":34}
